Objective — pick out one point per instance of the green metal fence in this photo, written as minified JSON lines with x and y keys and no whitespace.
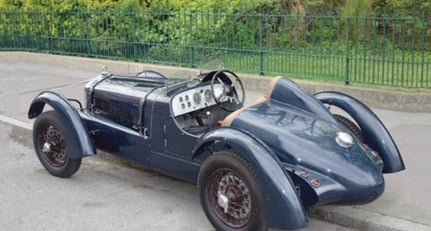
{"x":379,"y":50}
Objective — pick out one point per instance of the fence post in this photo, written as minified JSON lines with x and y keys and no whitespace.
{"x":47,"y":16}
{"x":4,"y":41}
{"x":422,"y":84}
{"x":87,"y":33}
{"x":192,"y":49}
{"x":19,"y":35}
{"x":346,"y":76}
{"x":261,"y":45}
{"x":135,"y":41}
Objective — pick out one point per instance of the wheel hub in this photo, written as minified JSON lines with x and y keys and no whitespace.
{"x":46,"y":147}
{"x":223,"y":201}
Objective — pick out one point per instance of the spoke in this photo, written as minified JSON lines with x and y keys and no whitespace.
{"x":238,"y":204}
{"x":224,"y":98}
{"x":234,"y":82}
{"x":221,"y":82}
{"x":236,"y":99}
{"x":231,"y":179}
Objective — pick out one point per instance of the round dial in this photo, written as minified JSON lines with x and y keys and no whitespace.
{"x":197,"y":98}
{"x":208,"y":95}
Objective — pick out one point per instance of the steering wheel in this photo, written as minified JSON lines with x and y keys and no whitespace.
{"x":230,"y":89}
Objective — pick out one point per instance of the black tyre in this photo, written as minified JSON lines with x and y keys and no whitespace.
{"x":230,"y":194}
{"x":52,"y":146}
{"x":351,"y":126}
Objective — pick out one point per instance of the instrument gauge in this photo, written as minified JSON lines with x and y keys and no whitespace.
{"x":208,"y":96}
{"x":197,"y":98}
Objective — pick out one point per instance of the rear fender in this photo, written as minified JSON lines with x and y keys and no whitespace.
{"x":283,"y":208}
{"x":76,"y":132}
{"x":375,"y":133}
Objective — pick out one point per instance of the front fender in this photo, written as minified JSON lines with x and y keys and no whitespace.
{"x":283,"y":208}
{"x":375,"y":133}
{"x":81,"y":144}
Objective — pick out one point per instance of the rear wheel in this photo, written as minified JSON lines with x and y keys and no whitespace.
{"x":229,"y":193}
{"x":52,"y":147}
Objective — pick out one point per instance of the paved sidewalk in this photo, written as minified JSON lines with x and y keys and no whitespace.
{"x":405,"y":205}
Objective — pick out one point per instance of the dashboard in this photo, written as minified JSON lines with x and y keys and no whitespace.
{"x":195,"y":99}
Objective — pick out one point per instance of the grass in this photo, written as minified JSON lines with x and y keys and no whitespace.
{"x":367,"y":71}
{"x":400,"y":70}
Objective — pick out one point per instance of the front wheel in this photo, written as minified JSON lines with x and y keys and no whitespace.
{"x":229,"y":193}
{"x":52,"y":147}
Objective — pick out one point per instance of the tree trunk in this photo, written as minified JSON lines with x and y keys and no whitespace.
{"x":297,"y":11}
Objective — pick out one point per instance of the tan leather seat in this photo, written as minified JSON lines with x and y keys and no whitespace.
{"x":268,"y":91}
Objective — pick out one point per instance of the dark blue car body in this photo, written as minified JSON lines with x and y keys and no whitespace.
{"x":289,"y":138}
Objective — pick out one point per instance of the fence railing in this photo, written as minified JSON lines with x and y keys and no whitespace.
{"x":378,"y":50}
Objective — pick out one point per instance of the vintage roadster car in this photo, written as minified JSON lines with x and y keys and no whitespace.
{"x":256,"y":166}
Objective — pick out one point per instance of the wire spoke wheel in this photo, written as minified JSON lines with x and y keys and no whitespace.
{"x":230,"y":198}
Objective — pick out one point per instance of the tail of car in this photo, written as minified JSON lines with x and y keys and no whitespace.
{"x":375,"y":133}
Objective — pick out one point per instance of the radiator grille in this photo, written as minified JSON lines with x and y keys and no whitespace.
{"x":116,"y":112}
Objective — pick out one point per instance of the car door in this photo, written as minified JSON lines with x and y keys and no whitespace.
{"x":171,"y":148}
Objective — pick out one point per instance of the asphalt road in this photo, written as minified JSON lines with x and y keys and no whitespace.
{"x":106,"y":194}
